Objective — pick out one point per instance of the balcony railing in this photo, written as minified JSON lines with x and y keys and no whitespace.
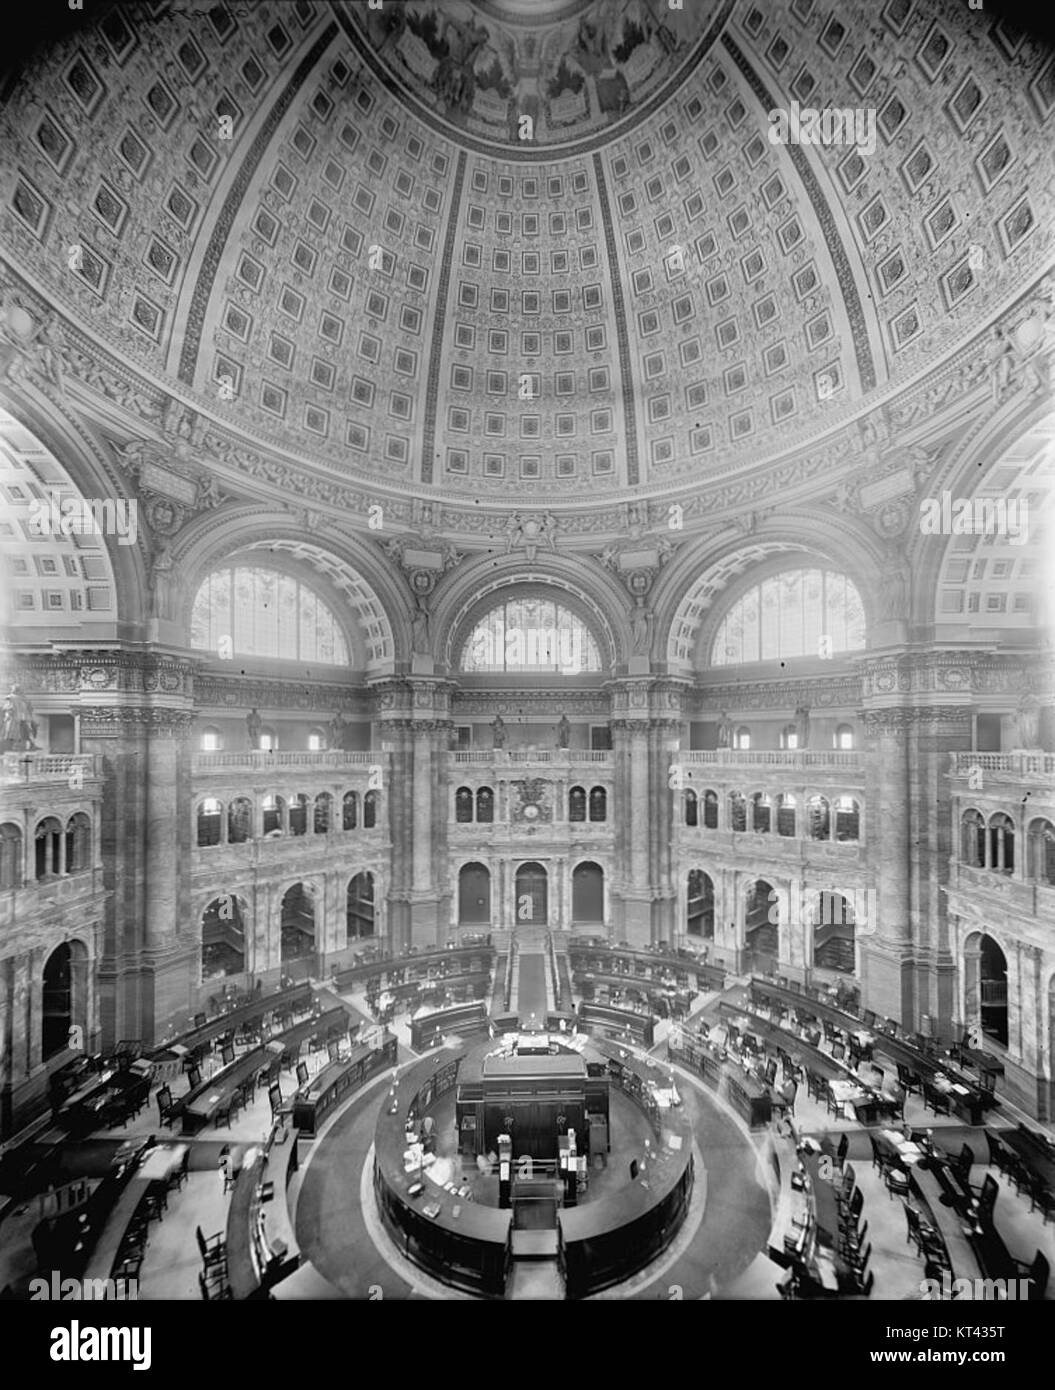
{"x":772,"y":757}
{"x":560,"y":756}
{"x":1012,"y":765}
{"x":47,"y":767}
{"x":260,"y":760}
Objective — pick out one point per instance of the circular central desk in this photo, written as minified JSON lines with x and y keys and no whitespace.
{"x":467,"y":1244}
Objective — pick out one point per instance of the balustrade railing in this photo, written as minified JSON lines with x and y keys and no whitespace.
{"x":560,"y":756}
{"x":47,"y":767}
{"x":771,"y":757}
{"x":261,"y":760}
{"x":1012,"y":764}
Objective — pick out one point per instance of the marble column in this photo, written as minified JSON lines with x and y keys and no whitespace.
{"x":887,"y":980}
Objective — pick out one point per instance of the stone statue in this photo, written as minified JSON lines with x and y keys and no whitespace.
{"x":514,"y":531}
{"x":498,"y":732}
{"x":163,"y":583}
{"x":18,"y":728}
{"x":641,"y":628}
{"x":1027,"y":723}
{"x":893,"y":584}
{"x":253,"y":723}
{"x":999,"y":357}
{"x":802,"y":727}
{"x":420,"y":627}
{"x":335,"y":731}
{"x":209,"y":494}
{"x":564,"y":732}
{"x":725,"y":731}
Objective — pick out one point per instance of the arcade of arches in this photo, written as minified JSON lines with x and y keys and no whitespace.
{"x":496,"y":572}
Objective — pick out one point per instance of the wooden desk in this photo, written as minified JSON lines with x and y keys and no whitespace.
{"x":1033,"y":1152}
{"x":946,"y":1220}
{"x":158,"y":1166}
{"x":283,"y":1001}
{"x":316,"y":1100}
{"x":218,"y":1092}
{"x":617,"y":1022}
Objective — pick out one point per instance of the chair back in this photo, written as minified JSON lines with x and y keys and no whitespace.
{"x":844,"y":1145}
{"x":194,"y":1076}
{"x":857,"y":1201}
{"x":202,"y":1247}
{"x":164,"y":1099}
{"x":274,"y":1095}
{"x":965,"y":1161}
{"x":302,"y":1073}
{"x":987,"y":1197}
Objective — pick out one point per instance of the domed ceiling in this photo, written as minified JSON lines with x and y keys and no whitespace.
{"x":545,"y":249}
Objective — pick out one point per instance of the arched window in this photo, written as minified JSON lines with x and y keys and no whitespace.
{"x":298,"y":814}
{"x":737,"y":811}
{"x":350,"y":805}
{"x":485,"y":806}
{"x":210,"y":821}
{"x":48,"y":836}
{"x":598,"y":803}
{"x":323,"y":821}
{"x":700,"y":906}
{"x":710,"y":810}
{"x":789,"y":736}
{"x":786,"y":805}
{"x":692,"y":810}
{"x":844,"y":737}
{"x":10,"y":856}
{"x":1001,"y":843}
{"x":273,"y":808}
{"x":265,"y":613}
{"x":360,"y":908}
{"x":742,"y":738}
{"x":531,"y":634}
{"x":268,"y":739}
{"x":847,"y":819}
{"x":239,"y":821}
{"x":577,"y":804}
{"x":761,"y":813}
{"x":818,"y":818}
{"x":210,"y":740}
{"x":787,"y":614}
{"x":463,"y":805}
{"x":371,"y":809}
{"x":1041,"y":859}
{"x":972,"y":839}
{"x":78,"y":843}
{"x":474,"y":895}
{"x":316,"y":741}
{"x":222,"y":938}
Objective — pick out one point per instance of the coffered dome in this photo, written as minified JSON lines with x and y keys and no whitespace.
{"x":544,"y":249}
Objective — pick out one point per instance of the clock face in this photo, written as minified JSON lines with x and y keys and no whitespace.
{"x":530,"y":812}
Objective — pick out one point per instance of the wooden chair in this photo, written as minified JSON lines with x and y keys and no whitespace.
{"x":934,"y":1100}
{"x":213,"y":1250}
{"x":842,"y":1150}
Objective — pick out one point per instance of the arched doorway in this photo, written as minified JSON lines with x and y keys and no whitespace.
{"x":700,"y":905}
{"x":587,"y":893}
{"x":64,"y":998}
{"x":222,"y":938}
{"x":833,"y":933}
{"x":531,"y":905}
{"x":985,"y":986}
{"x":298,"y":922}
{"x":761,"y":928}
{"x":360,"y":919}
{"x":474,"y":895}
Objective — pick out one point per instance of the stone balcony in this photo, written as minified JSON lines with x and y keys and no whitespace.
{"x":259,"y":761}
{"x":1033,"y":767}
{"x":48,"y":769}
{"x":568,"y":759}
{"x":794,"y":760}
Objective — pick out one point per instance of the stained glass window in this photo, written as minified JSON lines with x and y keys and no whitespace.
{"x":260,"y":612}
{"x":803,"y":612}
{"x":531,"y":635}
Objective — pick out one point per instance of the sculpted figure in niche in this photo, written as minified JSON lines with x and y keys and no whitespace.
{"x":253,"y":724}
{"x":498,"y":732}
{"x":335,"y":731}
{"x":641,"y":629}
{"x":894,"y":586}
{"x":420,"y":627}
{"x":725,"y":731}
{"x":564,"y":732}
{"x":163,"y":584}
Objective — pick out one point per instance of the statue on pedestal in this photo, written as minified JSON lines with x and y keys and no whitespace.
{"x":1027,"y":723}
{"x":564,"y":732}
{"x":725,"y":731}
{"x":498,"y":732}
{"x":253,"y":724}
{"x":641,"y":628}
{"x":18,"y":728}
{"x":335,"y":731}
{"x":802,"y":727}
